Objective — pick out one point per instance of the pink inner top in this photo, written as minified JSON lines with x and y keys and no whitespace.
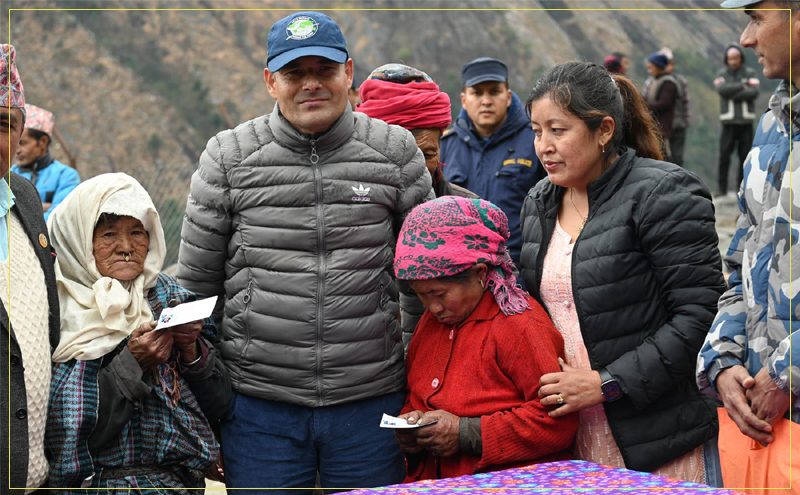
{"x":594,"y":441}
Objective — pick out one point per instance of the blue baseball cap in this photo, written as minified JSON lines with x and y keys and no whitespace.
{"x":740,"y":4}
{"x":484,"y":69}
{"x":303,"y":34}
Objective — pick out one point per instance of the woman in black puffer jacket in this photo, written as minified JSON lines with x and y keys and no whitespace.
{"x":621,"y":249}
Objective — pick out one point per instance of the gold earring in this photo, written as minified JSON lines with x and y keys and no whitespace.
{"x":604,"y":148}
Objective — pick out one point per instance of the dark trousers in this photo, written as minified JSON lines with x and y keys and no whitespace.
{"x":740,"y":137}
{"x":269,"y":444}
{"x":677,"y":142}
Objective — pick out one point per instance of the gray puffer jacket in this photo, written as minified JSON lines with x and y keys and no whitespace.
{"x":298,"y":236}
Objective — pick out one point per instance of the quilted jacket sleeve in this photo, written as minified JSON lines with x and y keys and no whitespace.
{"x":416,"y":186}
{"x":207,"y":227}
{"x":676,"y":231}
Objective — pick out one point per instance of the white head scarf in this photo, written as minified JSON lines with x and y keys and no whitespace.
{"x":98,"y":312}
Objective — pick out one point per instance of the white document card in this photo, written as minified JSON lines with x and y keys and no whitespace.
{"x":186,"y":313}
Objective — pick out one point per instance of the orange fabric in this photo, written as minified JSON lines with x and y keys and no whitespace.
{"x":488,"y":366}
{"x":750,"y":468}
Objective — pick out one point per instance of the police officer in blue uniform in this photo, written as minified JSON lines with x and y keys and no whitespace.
{"x":490,"y":149}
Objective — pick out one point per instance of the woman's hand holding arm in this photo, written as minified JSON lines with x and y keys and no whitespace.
{"x":525,"y":353}
{"x":577,"y":388}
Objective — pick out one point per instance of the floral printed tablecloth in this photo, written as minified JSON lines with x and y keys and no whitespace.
{"x":553,"y":478}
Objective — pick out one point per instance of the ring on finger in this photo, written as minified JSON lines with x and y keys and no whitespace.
{"x":560,"y":400}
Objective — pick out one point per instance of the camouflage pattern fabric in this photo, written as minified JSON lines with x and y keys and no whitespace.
{"x":757,"y":316}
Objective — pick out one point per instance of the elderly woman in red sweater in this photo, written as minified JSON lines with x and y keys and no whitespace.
{"x":479,"y":350}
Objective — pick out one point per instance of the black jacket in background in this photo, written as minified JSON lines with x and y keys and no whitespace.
{"x":13,"y":401}
{"x":646,"y":277}
{"x":738,"y":91}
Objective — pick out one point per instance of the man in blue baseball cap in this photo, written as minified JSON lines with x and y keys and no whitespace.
{"x":489,"y":150}
{"x":746,"y":360}
{"x":292,"y":221}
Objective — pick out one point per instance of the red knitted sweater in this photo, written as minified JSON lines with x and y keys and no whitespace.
{"x":489,"y":366}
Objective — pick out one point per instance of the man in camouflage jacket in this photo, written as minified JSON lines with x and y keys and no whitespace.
{"x":746,"y":358}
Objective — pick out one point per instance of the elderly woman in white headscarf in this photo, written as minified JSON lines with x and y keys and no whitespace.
{"x":131,"y":407}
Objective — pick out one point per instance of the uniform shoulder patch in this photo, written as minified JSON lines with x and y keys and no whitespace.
{"x":448,"y":132}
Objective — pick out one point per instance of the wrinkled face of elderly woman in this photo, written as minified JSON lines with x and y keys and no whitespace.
{"x":429,"y":140}
{"x":120,"y":245}
{"x":452,"y":299}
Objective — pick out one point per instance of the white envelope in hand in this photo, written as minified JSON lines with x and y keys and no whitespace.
{"x":397,"y":423}
{"x":186,"y":312}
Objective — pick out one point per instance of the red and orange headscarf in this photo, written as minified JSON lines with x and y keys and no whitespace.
{"x":402,"y":95}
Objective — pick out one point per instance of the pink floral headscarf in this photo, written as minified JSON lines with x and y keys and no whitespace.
{"x":451,"y":234}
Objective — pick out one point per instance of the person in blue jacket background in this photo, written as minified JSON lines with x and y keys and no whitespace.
{"x":53,"y":179}
{"x":490,"y":148}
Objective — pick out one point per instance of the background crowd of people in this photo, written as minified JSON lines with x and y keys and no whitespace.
{"x":541,"y":281}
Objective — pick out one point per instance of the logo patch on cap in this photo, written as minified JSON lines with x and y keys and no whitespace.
{"x":301,"y":28}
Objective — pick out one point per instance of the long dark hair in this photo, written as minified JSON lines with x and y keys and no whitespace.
{"x":590,"y":93}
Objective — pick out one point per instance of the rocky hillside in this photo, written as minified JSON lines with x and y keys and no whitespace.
{"x":141,"y":91}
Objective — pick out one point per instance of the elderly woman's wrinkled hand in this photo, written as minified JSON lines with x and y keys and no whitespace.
{"x":150,"y":347}
{"x":408,"y":438}
{"x":185,"y":338}
{"x":440,"y":438}
{"x":570,"y":390}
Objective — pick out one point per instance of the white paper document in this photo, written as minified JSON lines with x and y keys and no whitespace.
{"x":392,"y":422}
{"x":186,"y":312}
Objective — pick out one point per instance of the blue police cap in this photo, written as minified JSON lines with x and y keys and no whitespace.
{"x":482,"y":70}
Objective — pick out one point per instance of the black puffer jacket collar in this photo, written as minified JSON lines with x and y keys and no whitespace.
{"x":598,"y":191}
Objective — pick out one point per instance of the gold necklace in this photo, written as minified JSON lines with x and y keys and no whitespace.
{"x":584,"y":218}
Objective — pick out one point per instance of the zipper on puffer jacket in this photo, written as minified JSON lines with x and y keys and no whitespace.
{"x":314,"y":156}
{"x":387,"y":339}
{"x":245,"y":314}
{"x":321,"y":267}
